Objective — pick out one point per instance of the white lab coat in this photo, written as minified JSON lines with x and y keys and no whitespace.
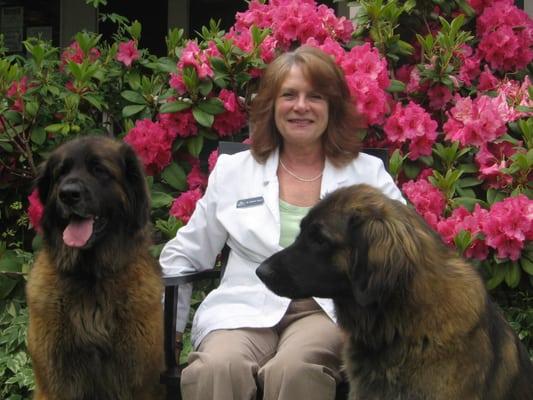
{"x":252,"y":232}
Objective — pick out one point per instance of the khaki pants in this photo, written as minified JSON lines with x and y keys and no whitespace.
{"x":299,"y":358}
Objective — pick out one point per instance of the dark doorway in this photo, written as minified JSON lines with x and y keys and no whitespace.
{"x":153,"y":17}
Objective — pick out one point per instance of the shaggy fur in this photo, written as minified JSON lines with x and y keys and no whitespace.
{"x":96,"y":327}
{"x":419,"y":322}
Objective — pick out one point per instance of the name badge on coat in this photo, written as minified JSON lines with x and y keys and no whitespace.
{"x":251,"y":202}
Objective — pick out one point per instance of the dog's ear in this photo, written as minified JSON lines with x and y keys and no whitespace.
{"x":380,"y":269}
{"x":136,"y":188}
{"x":44,"y":179}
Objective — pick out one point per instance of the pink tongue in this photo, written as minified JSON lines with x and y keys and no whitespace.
{"x":77,"y":233}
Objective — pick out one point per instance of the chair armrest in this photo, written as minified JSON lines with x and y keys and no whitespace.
{"x":172,"y":372}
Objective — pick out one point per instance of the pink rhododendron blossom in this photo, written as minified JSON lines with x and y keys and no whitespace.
{"x":192,"y":56}
{"x":196,"y":178}
{"x":16,"y":90}
{"x":512,"y":94}
{"x":371,"y":102}
{"x":414,"y":125}
{"x":152,"y":144}
{"x":365,"y":60}
{"x":491,"y":159}
{"x":487,"y":80}
{"x":508,"y":226}
{"x":212,"y":160}
{"x":439,"y":96}
{"x":184,"y":205}
{"x":428,"y":201}
{"x":480,"y":5}
{"x":75,"y":54}
{"x":462,"y":220}
{"x":506,"y":36}
{"x":470,"y":63}
{"x":176,"y":83}
{"x":295,"y":21}
{"x":35,"y":210}
{"x":179,"y":124}
{"x":233,"y":119}
{"x":474,"y":122}
{"x":128,"y":53}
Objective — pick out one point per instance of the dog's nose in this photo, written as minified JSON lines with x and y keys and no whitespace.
{"x":70,"y":193}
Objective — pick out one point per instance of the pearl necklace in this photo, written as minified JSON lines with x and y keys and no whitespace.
{"x":299,"y":177}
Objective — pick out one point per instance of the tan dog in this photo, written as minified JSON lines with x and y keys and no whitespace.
{"x":94,"y":293}
{"x":419,"y":322}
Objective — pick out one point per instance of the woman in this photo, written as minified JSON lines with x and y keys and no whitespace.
{"x":303,"y":146}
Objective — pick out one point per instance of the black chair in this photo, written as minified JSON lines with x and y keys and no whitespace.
{"x":172,"y":375}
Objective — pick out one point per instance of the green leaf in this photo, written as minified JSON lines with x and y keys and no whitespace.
{"x":497,"y":276}
{"x":205,"y":87}
{"x":396,"y":86}
{"x":512,"y":275}
{"x":467,"y":202}
{"x":494,"y":196}
{"x":161,"y":199}
{"x":128,"y":111}
{"x":462,"y":240}
{"x":10,"y":262}
{"x":202,"y":117}
{"x":175,"y":106}
{"x":133,"y":97}
{"x":38,"y":135}
{"x":212,"y":106}
{"x":175,"y":176}
{"x":55,"y":127}
{"x":468,"y":182}
{"x":94,"y":101}
{"x":195,"y":144}
{"x":527,"y":265}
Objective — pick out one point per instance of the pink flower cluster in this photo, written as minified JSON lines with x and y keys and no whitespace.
{"x":462,"y":220}
{"x":295,"y":21}
{"x":233,"y":119}
{"x":75,"y":54}
{"x":35,"y":210}
{"x":179,"y":124}
{"x":475,"y":122}
{"x":491,"y":159}
{"x":506,"y":36}
{"x":184,"y":205}
{"x":243,"y":40}
{"x":428,"y":201}
{"x":16,"y":91}
{"x":367,"y":77}
{"x":192,"y":56}
{"x":152,"y":143}
{"x":414,"y":125}
{"x":506,"y":227}
{"x":128,"y":53}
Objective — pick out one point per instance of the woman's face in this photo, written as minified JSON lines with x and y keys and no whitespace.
{"x":300,"y":112}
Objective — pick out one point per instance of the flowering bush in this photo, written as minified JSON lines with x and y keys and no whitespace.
{"x":452,"y":103}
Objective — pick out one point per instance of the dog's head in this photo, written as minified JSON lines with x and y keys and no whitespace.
{"x":356,"y":243}
{"x":92,"y":188}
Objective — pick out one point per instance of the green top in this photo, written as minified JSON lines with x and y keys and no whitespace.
{"x":290,"y":217}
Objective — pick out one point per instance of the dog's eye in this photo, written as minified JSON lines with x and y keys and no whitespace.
{"x":317,"y":236}
{"x":99,"y":170}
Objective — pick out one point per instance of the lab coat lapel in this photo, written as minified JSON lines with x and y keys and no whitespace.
{"x":332,"y":179}
{"x":271,"y":186}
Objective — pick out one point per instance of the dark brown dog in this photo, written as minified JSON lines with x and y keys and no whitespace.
{"x":94,"y":293}
{"x":419,"y":322}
